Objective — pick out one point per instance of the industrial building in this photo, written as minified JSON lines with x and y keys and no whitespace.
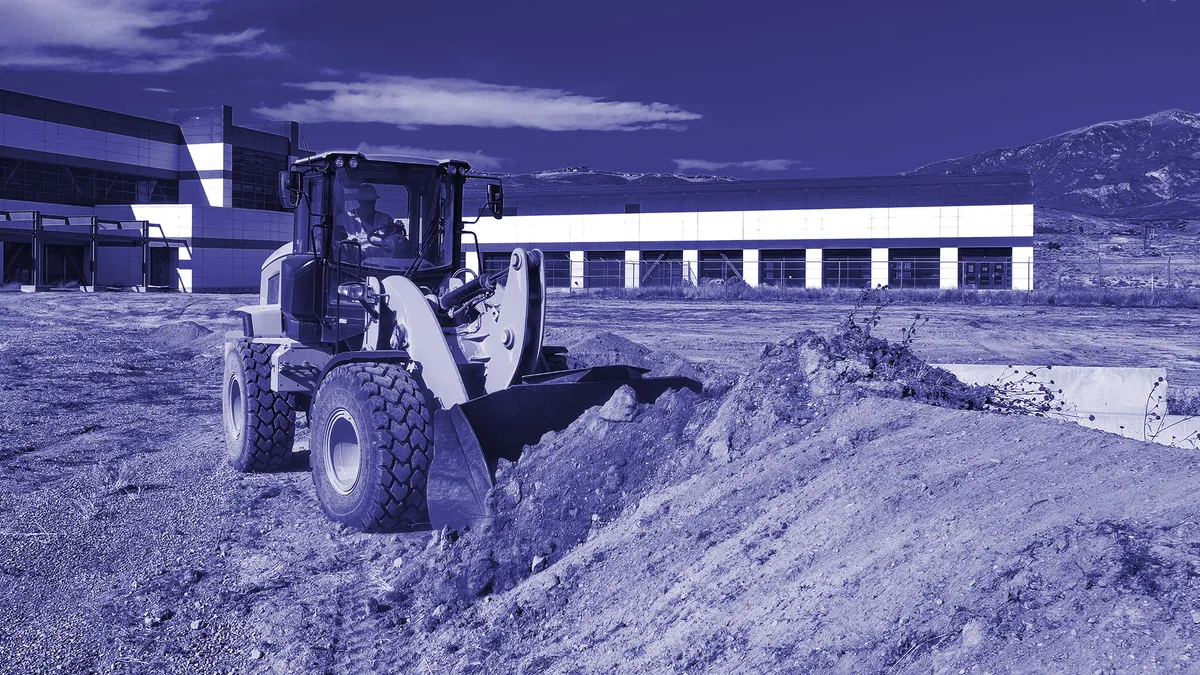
{"x":900,"y":231}
{"x":95,"y":199}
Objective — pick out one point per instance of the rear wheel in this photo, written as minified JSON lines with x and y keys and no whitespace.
{"x":259,"y":423}
{"x":372,"y":439}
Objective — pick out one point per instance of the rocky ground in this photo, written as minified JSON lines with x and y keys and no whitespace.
{"x":827,"y":504}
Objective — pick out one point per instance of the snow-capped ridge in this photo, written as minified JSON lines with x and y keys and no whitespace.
{"x":584,"y":176}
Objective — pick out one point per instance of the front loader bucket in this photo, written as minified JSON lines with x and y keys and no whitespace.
{"x":470,"y":439}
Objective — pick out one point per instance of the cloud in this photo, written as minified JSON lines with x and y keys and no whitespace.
{"x":117,"y":36}
{"x":477,"y":159}
{"x":409,"y":103}
{"x":158,"y":90}
{"x":752,"y":165}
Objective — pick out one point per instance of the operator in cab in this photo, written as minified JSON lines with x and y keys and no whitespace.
{"x":377,"y":231}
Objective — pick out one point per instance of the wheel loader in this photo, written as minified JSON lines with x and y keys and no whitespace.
{"x":416,"y":375}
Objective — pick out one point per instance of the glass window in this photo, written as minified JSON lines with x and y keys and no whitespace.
{"x":79,"y":186}
{"x":914,"y":268}
{"x":723,"y":265}
{"x":558,"y":268}
{"x":846,"y":268}
{"x":254,"y":179}
{"x":391,"y":217}
{"x":661,"y":268}
{"x":604,"y":269}
{"x":495,"y":262}
{"x":783,"y":267}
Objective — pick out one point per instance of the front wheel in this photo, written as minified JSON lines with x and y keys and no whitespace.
{"x":371,"y":446}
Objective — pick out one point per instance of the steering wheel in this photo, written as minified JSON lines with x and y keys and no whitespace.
{"x":378,"y":234}
{"x":464,"y":271}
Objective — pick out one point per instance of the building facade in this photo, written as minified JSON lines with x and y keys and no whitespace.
{"x":96,"y":198}
{"x":901,"y":231}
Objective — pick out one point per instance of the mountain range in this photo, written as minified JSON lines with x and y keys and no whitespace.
{"x":1147,"y":167}
{"x":582,"y":176}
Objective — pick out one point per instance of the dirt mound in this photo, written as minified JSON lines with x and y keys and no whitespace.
{"x":814,"y":516}
{"x":182,"y":335}
{"x":808,"y":375}
{"x":606,"y":349}
{"x":185,"y":340}
{"x":865,"y":548}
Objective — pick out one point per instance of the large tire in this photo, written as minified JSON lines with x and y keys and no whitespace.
{"x":372,"y":440}
{"x":260,"y":424}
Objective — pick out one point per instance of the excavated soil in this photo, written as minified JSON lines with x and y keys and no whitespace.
{"x":827,"y":503}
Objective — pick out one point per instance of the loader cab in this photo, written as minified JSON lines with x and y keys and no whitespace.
{"x":358,"y":218}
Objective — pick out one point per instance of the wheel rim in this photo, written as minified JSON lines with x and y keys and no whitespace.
{"x":343,"y":458}
{"x":237,"y":410}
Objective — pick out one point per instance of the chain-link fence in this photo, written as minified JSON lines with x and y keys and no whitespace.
{"x":1165,"y":272}
{"x":982,"y":274}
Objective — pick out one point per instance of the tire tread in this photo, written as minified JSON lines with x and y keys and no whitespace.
{"x":270,"y":426}
{"x":401,"y":422}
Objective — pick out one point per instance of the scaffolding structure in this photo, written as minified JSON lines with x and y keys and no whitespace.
{"x":59,"y":238}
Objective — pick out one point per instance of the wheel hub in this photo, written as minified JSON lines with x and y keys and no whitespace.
{"x":343,"y":458}
{"x":237,"y":408}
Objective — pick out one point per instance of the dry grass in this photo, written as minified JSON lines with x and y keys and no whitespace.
{"x":1183,"y":400}
{"x":112,"y":478}
{"x":106,"y":480}
{"x":1082,"y":296}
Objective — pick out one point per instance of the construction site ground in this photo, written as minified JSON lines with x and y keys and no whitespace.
{"x":810,"y":511}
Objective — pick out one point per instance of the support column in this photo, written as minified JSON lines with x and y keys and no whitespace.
{"x":879,"y":267}
{"x":750,"y":266}
{"x":691,"y":267}
{"x":633,"y":269}
{"x":1022,"y":268}
{"x":576,"y":269}
{"x":812,"y":268}
{"x":3,"y":269}
{"x":948,"y":271}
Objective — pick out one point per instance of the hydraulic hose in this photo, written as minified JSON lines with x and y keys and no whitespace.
{"x":484,"y":283}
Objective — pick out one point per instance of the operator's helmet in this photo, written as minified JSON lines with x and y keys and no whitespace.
{"x":365,"y":193}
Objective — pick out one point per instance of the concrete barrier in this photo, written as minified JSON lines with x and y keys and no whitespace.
{"x":1131,"y":402}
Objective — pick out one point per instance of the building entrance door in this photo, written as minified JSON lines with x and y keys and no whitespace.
{"x":64,"y":265}
{"x":986,"y":273}
{"x":17,"y":264}
{"x":162,"y":266}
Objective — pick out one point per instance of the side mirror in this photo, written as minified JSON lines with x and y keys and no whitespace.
{"x":495,"y":200}
{"x":289,"y":189}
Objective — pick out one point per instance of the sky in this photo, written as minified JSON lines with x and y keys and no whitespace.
{"x":749,"y":89}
